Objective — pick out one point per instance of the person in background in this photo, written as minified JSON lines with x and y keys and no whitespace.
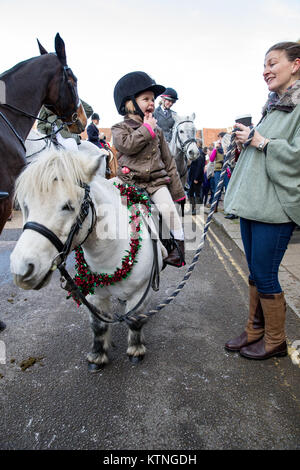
{"x":218,"y":158}
{"x":226,"y":140}
{"x":64,"y":137}
{"x":264,"y":192}
{"x":163,"y":113}
{"x":195,"y":178}
{"x":205,"y":185}
{"x":93,"y":131}
{"x":209,"y":170}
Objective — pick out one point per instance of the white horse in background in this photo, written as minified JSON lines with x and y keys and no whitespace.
{"x":183,"y":144}
{"x":36,"y":143}
{"x":50,"y":192}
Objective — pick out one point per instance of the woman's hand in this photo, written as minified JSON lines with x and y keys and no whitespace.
{"x":243,"y":134}
{"x":149,"y":119}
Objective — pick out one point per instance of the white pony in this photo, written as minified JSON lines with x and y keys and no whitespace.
{"x":36,"y":143}
{"x":183,"y":144}
{"x":50,"y":192}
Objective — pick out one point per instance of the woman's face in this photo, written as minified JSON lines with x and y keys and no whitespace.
{"x":146,"y":102}
{"x":168,"y":103}
{"x":279,"y":72}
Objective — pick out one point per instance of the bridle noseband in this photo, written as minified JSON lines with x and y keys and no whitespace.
{"x":65,"y":248}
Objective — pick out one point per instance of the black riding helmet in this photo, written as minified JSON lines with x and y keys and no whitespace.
{"x":170,"y":93}
{"x":131,"y":85}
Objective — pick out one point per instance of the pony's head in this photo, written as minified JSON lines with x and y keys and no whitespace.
{"x":184,"y":134}
{"x":50,"y":192}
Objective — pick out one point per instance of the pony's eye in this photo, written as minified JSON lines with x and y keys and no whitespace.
{"x":181,"y":132}
{"x":67,"y":207}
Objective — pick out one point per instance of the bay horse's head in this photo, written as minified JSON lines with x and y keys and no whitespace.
{"x":62,"y":95}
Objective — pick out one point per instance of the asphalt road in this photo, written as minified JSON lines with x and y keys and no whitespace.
{"x":188,"y":393}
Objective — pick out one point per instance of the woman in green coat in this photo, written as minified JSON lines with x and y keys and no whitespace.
{"x":264,"y":191}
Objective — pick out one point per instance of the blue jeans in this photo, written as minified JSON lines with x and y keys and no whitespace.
{"x":265,"y":245}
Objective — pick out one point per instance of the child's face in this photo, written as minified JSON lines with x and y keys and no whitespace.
{"x":146,"y":102}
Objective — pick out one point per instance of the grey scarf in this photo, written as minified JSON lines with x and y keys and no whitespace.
{"x":286,"y":102}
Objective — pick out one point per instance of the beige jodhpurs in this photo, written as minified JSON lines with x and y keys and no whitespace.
{"x":164,"y":202}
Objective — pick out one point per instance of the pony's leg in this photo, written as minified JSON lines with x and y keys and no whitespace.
{"x":98,"y":357}
{"x":136,"y":342}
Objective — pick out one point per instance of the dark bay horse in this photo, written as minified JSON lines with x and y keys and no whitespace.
{"x":45,"y":79}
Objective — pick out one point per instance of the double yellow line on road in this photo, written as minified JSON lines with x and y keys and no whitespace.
{"x":224,"y":256}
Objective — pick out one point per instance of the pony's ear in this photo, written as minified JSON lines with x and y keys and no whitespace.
{"x":41,"y":48}
{"x":94,"y":164}
{"x":193,"y":116}
{"x":60,"y":49}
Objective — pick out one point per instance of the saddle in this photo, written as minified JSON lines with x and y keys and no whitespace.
{"x":162,"y":231}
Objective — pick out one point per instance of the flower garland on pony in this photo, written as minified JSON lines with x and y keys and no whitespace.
{"x":85,"y":279}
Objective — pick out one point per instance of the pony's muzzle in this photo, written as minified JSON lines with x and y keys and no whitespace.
{"x":25,"y":273}
{"x":24,"y":280}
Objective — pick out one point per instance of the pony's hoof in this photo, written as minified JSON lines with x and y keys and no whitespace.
{"x":136,"y":359}
{"x":94,"y":368}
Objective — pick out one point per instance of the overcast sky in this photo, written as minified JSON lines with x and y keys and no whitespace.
{"x":210,"y":51}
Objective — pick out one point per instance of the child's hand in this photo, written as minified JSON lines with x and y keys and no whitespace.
{"x":149,"y":119}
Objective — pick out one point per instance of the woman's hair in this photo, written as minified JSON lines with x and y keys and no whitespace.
{"x":292,"y":49}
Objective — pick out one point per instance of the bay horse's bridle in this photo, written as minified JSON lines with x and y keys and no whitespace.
{"x":74,"y":116}
{"x":59,"y":262}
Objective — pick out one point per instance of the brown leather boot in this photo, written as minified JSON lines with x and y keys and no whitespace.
{"x":274,"y":341}
{"x":254,"y":330}
{"x":176,"y":257}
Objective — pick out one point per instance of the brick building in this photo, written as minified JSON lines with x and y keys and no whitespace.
{"x":209,"y":136}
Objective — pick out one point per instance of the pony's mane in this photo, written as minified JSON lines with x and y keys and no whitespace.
{"x":49,"y":168}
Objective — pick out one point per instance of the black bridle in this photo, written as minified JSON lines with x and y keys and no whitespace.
{"x":66,"y":78}
{"x":65,"y":248}
{"x":67,"y":283}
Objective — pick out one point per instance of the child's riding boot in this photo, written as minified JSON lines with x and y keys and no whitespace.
{"x":274,"y":341}
{"x":176,"y":257}
{"x":254,"y":330}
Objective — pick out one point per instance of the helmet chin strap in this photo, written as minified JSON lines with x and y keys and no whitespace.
{"x":137,"y":108}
